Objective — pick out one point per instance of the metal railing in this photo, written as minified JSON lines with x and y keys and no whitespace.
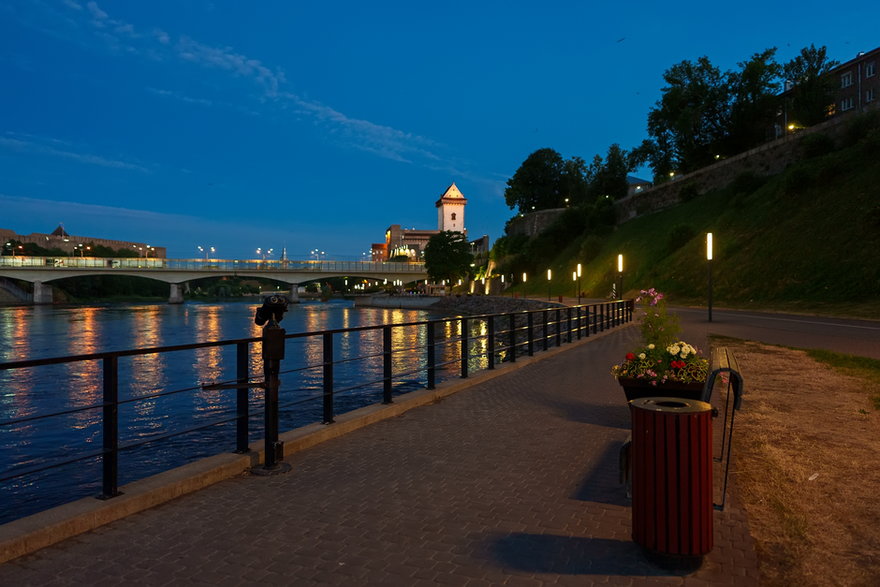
{"x":450,"y":345}
{"x":353,"y":267}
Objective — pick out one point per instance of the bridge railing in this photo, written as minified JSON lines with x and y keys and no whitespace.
{"x":225,"y":265}
{"x":393,"y":359}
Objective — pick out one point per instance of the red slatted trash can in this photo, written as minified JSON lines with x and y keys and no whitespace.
{"x":671,"y":458}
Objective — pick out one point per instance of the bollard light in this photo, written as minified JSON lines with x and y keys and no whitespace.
{"x":549,"y":278}
{"x":709,"y":255}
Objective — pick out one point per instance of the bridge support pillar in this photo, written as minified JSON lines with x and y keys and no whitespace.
{"x":294,"y":292}
{"x":176,"y":294}
{"x":42,"y":293}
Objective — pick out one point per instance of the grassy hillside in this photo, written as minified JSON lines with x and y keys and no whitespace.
{"x":807,"y":239}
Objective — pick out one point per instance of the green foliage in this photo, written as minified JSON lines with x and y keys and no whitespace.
{"x":693,"y":114}
{"x":448,"y":256}
{"x":538,"y":183}
{"x":816,"y":145}
{"x":679,"y":236}
{"x":746,"y":183}
{"x":861,"y":127}
{"x":590,"y":248}
{"x":812,"y":93}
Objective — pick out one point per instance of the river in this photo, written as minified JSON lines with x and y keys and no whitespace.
{"x":32,"y":332}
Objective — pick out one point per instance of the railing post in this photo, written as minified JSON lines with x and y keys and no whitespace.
{"x":241,"y":398}
{"x":386,"y":364}
{"x":432,"y":358}
{"x":602,"y":317}
{"x":490,"y":343}
{"x":568,"y":311}
{"x":558,"y":327}
{"x":546,"y":331}
{"x":110,"y":458}
{"x":465,"y":350}
{"x":273,"y":354}
{"x":328,"y":378}
{"x":530,"y":322}
{"x":512,"y":319}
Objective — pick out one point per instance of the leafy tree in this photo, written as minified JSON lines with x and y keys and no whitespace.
{"x":691,"y":119}
{"x":447,"y":256}
{"x":537,"y":184}
{"x":811,"y":93}
{"x":608,"y":177}
{"x":754,"y":87}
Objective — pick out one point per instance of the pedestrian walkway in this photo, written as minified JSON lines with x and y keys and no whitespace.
{"x":511,"y":482}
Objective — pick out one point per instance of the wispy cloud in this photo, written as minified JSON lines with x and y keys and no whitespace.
{"x":54,"y":147}
{"x":381,"y":140}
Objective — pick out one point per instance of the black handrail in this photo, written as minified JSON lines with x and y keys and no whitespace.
{"x":500,"y":343}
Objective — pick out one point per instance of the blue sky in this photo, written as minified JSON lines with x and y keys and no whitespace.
{"x":318,"y":124}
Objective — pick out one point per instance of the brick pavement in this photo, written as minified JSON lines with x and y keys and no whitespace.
{"x":512,"y":482}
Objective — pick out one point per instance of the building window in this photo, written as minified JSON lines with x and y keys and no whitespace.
{"x":869,"y":95}
{"x":846,"y":104}
{"x":871,"y":69}
{"x":452,"y":217}
{"x":846,"y":79}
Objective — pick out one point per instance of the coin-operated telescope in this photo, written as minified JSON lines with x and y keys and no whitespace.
{"x":272,"y":310}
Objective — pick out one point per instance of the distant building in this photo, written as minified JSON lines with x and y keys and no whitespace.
{"x":78,"y":245}
{"x":857,"y":89}
{"x":410,"y":242}
{"x":636,"y":185}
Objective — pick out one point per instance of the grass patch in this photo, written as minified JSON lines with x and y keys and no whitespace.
{"x":864,"y":368}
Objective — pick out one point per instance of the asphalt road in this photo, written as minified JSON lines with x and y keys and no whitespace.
{"x":855,"y":337}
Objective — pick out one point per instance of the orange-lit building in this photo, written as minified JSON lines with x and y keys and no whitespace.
{"x":410,"y":242}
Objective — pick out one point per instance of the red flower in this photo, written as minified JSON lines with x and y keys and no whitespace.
{"x":677,"y":364}
{"x":630,"y":357}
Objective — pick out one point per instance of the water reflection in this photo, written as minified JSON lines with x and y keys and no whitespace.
{"x":54,"y":331}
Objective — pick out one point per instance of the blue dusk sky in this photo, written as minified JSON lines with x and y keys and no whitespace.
{"x":318,"y":124}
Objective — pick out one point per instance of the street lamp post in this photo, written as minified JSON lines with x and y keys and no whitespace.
{"x":709,"y":268}
{"x":579,"y":283}
{"x":619,"y":277}
{"x":525,"y":279}
{"x":549,"y":281}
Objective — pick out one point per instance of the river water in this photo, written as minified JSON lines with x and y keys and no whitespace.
{"x":32,"y":332}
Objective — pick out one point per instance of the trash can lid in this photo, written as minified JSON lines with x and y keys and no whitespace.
{"x":675,"y":405}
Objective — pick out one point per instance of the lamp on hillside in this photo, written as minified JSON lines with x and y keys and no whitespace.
{"x":549,"y":281}
{"x":525,"y":279}
{"x":579,"y":283}
{"x":709,"y":267}
{"x":619,"y":277}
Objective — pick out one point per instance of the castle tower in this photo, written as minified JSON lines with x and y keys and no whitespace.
{"x":450,"y":210}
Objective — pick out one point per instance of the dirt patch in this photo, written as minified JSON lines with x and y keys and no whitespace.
{"x":807,"y":469}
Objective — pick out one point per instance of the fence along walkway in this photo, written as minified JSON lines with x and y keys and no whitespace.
{"x":513,"y":481}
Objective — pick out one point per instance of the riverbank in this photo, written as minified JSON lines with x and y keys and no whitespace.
{"x":471,"y":305}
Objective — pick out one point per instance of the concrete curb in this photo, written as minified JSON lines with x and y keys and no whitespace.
{"x":32,"y":533}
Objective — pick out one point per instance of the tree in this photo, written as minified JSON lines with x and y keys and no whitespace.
{"x":692,"y":116}
{"x":755,"y":87}
{"x":811,"y":90}
{"x":607,"y":177}
{"x":537,"y":184}
{"x":448,"y":256}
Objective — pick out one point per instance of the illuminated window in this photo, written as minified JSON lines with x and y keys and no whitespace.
{"x":847,"y":104}
{"x":871,"y":69}
{"x":846,"y":79}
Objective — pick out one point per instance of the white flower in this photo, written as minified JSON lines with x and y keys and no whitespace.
{"x":642,"y":356}
{"x":673,"y":349}
{"x":651,"y":347}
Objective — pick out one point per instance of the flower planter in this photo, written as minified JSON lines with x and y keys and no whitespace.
{"x":639,"y":388}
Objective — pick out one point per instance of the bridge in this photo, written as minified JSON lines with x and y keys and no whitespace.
{"x":41,"y":271}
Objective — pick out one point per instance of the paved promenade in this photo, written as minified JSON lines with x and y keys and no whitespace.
{"x":511,"y":482}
